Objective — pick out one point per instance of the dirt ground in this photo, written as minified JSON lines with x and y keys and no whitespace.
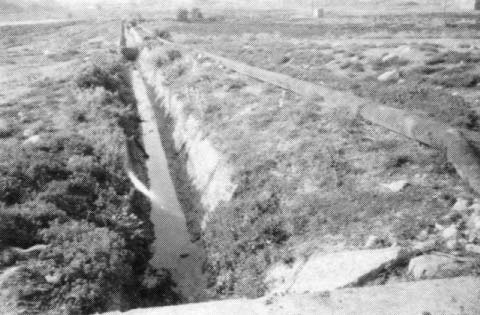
{"x":309,"y":179}
{"x":312,"y":179}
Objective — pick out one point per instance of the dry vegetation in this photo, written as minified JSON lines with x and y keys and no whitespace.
{"x":67,"y":111}
{"x":304,"y":174}
{"x":308,"y":178}
{"x":311,"y":179}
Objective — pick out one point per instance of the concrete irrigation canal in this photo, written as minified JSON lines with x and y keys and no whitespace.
{"x":334,"y":282}
{"x":172,"y":248}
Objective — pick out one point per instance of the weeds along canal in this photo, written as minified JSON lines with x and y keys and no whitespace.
{"x":173,"y":248}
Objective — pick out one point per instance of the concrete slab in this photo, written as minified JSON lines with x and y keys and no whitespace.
{"x":446,"y":296}
{"x":329,"y":271}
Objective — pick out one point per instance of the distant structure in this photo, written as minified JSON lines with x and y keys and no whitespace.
{"x":467,"y":5}
{"x":318,"y":13}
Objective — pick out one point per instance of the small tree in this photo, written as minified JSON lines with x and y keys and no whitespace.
{"x":182,"y":15}
{"x":164,"y":34}
{"x":196,"y":14}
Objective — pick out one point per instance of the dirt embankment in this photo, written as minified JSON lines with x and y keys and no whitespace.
{"x":302,"y":172}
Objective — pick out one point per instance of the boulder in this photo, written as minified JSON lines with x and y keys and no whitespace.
{"x":425,"y":246}
{"x":473,"y":223}
{"x":450,"y":233}
{"x":438,"y":266}
{"x":6,"y":129}
{"x":53,"y":279}
{"x":27,"y":133}
{"x":396,"y":186}
{"x":372,"y":242}
{"x":461,"y":205}
{"x":472,"y":248}
{"x":33,"y":140}
{"x":389,"y":76}
{"x":389,"y":57}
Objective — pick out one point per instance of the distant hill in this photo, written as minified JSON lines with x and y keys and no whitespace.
{"x":9,"y":7}
{"x":19,"y":6}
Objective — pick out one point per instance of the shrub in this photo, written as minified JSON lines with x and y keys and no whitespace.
{"x":75,"y":196}
{"x":174,"y":54}
{"x":16,"y":230}
{"x":11,"y":189}
{"x":182,"y":15}
{"x":159,"y":57}
{"x":453,"y":57}
{"x":20,"y":224}
{"x":460,"y":76}
{"x":86,"y":266}
{"x":112,"y":76}
{"x":197,"y":14}
{"x":174,"y":72}
{"x":130,"y":53}
{"x":164,"y":34}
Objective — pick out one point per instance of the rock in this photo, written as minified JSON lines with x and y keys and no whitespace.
{"x":438,"y":266}
{"x":396,"y":186}
{"x":404,"y":51}
{"x":372,"y":242}
{"x":474,"y":208}
{"x":389,"y":76}
{"x":425,"y":246}
{"x":6,"y":129}
{"x":450,"y":232}
{"x":454,"y":244}
{"x":461,"y":205}
{"x":423,"y":236}
{"x":33,"y":140}
{"x":473,"y":223}
{"x":22,"y":117}
{"x":472,"y":248}
{"x":389,"y":57}
{"x":439,"y":227}
{"x":452,"y":217}
{"x":53,"y":279}
{"x":27,"y":133}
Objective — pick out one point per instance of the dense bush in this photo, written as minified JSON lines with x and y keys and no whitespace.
{"x":112,"y":76}
{"x":244,"y":237}
{"x":164,"y":34}
{"x":182,"y":15}
{"x":81,"y":271}
{"x":196,"y":14}
{"x":70,"y":191}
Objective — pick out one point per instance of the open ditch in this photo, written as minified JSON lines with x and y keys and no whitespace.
{"x":174,"y":248}
{"x":393,"y":162}
{"x":258,"y":225}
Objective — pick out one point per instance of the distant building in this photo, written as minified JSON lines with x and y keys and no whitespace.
{"x":467,"y":5}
